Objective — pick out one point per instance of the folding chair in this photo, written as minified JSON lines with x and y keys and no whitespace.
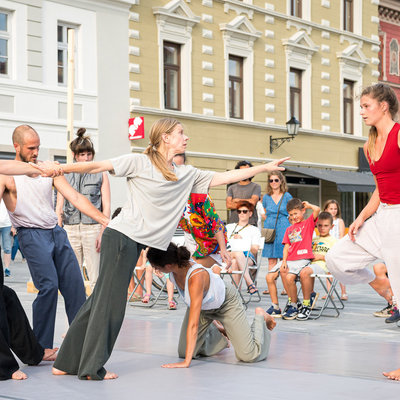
{"x":238,"y":245}
{"x":254,"y":269}
{"x":329,"y":297}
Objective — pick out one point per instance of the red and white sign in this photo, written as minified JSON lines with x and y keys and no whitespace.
{"x":136,"y":128}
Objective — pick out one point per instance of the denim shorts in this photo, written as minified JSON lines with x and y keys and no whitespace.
{"x":6,"y":239}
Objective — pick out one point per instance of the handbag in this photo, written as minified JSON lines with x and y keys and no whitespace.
{"x":269,"y":233}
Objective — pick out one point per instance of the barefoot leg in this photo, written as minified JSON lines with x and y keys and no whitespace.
{"x":50,"y":354}
{"x":382,"y":287}
{"x":19,"y":375}
{"x":108,"y":376}
{"x":394,"y":375}
{"x":269,"y":320}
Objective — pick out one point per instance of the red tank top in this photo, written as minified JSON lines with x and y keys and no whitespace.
{"x":387,"y":169}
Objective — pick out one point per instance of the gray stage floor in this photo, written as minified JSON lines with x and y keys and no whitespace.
{"x":330,"y":358}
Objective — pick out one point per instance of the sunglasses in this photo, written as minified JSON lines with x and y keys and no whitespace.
{"x":274,"y":180}
{"x":242,"y":211}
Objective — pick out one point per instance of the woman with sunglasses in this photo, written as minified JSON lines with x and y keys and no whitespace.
{"x":277,"y":192}
{"x":244,"y":230}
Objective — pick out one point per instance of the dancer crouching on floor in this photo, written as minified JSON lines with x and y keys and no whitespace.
{"x":209,"y":299}
{"x":158,"y":191}
{"x":375,"y":234}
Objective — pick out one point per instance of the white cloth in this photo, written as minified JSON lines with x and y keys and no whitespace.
{"x":34,"y":207}
{"x":260,"y":213}
{"x":215,"y":295}
{"x":378,"y":238}
{"x":155,"y":205}
{"x":249,"y":233}
{"x":4,"y":218}
{"x":335,"y":232}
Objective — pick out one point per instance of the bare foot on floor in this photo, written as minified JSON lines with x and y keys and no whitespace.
{"x":19,"y":375}
{"x":50,"y":354}
{"x":382,"y":287}
{"x":108,"y":376}
{"x":269,"y":320}
{"x":56,"y":371}
{"x":394,"y":375}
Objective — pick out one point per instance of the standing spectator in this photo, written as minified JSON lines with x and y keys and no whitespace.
{"x":277,"y":190}
{"x":244,"y":190}
{"x":6,"y":238}
{"x":84,"y":233}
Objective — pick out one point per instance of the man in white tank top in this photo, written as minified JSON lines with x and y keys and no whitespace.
{"x":51,"y":260}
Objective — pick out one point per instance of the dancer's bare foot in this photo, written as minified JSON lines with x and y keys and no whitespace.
{"x":50,"y":354}
{"x":108,"y":376}
{"x":382,"y":287}
{"x":394,"y":375}
{"x":19,"y":375}
{"x":222,"y":330}
{"x":269,"y":320}
{"x":56,"y":371}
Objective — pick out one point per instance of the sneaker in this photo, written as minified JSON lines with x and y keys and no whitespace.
{"x":304,"y":313}
{"x":274,"y":312}
{"x":385,"y":312}
{"x":290,"y":313}
{"x":7,"y":272}
{"x":394,"y":317}
{"x":313,"y":299}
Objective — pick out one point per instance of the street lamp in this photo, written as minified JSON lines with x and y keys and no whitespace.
{"x":292,"y":127}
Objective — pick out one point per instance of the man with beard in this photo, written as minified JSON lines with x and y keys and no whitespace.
{"x":51,"y":260}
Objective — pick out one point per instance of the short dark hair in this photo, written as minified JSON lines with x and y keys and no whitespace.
{"x":325,"y":215}
{"x":243,"y":163}
{"x":173,"y":255}
{"x":294,"y":204}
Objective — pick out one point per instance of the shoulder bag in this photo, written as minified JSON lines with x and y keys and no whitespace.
{"x":268,"y":233}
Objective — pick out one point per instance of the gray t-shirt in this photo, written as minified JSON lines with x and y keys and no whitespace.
{"x":155,"y":205}
{"x":237,"y":191}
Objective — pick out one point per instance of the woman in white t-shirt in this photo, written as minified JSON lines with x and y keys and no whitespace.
{"x":208,"y":299}
{"x":244,"y":230}
{"x":157,"y":194}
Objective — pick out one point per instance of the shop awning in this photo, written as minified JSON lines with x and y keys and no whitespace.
{"x":346,"y":181}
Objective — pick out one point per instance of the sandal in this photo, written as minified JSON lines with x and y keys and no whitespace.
{"x":283,"y":293}
{"x":171,"y":305}
{"x":344,"y":297}
{"x":146,"y":298}
{"x":265,"y":291}
{"x":251,"y":289}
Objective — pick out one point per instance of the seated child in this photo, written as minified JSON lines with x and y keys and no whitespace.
{"x":297,"y":253}
{"x":321,"y":245}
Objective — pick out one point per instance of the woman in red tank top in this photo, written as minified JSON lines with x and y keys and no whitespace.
{"x":376,"y":231}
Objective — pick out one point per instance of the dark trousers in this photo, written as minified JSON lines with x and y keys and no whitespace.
{"x":53,"y":266}
{"x":92,"y":335}
{"x":15,"y":334}
{"x":15,"y":248}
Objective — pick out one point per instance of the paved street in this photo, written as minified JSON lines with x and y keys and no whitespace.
{"x":330,"y":358}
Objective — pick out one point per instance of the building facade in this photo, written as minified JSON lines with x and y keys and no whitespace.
{"x":389,"y":35}
{"x":233,"y":72}
{"x":33,"y":74}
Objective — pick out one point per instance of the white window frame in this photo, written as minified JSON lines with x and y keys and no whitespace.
{"x":299,"y":56}
{"x":17,"y":46}
{"x":64,"y":47}
{"x":357,"y":17}
{"x":176,"y":28}
{"x":5,"y":35}
{"x":305,"y":9}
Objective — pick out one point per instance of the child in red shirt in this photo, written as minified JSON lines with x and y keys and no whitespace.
{"x":297,"y":254}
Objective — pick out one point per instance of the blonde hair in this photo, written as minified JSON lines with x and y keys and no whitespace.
{"x":164,"y":125}
{"x":283,"y":187}
{"x":380,"y":92}
{"x":333,"y":201}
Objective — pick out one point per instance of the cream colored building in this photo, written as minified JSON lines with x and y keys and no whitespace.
{"x":306,"y":58}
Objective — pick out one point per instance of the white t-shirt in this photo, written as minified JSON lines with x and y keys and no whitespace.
{"x":4,"y":218}
{"x":249,"y":233}
{"x":155,"y":205}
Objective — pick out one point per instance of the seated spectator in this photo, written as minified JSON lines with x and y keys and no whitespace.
{"x":244,"y":230}
{"x":297,"y":254}
{"x":149,"y":281}
{"x":244,"y":190}
{"x":321,"y":245}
